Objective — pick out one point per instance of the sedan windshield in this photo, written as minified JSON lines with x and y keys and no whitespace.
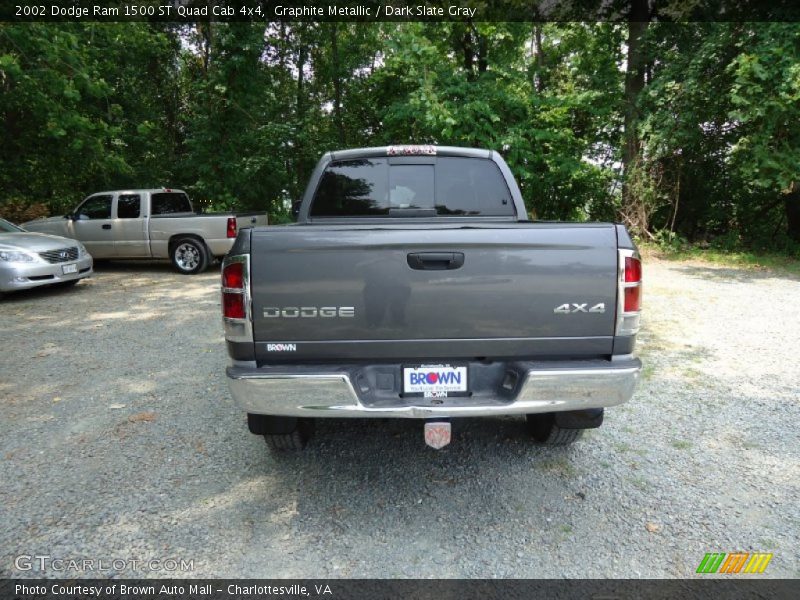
{"x":6,"y":227}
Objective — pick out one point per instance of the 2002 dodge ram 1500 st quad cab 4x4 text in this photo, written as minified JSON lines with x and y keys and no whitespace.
{"x":413,"y":285}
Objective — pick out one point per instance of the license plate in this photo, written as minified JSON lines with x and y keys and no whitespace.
{"x":67,"y":269}
{"x":431,"y":380}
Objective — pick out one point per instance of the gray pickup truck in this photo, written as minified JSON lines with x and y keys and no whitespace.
{"x":414,"y":285}
{"x":153,"y":223}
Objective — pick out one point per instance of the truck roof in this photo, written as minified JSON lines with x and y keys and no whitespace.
{"x":410,"y":150}
{"x":140,"y":190}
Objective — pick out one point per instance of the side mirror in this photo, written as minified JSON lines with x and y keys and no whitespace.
{"x":296,"y":209}
{"x":68,"y":216}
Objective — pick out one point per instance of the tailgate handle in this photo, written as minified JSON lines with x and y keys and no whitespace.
{"x":435,"y":261}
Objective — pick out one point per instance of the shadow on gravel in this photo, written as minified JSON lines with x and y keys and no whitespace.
{"x":143,"y":266}
{"x":376,"y":475}
{"x":65,"y":293}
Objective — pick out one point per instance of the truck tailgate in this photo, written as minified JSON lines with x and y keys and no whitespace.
{"x":250,"y":220}
{"x":371,"y":292}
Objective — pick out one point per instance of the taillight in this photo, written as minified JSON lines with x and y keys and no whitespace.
{"x":633,"y":269}
{"x":632,"y":299}
{"x":233,"y":305}
{"x":236,"y":298}
{"x":234,"y":288}
{"x":233,"y":276}
{"x":629,"y":289}
{"x":231,"y":227}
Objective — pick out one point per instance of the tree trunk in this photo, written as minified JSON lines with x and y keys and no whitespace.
{"x":538,"y":60}
{"x":205,"y":32}
{"x":337,"y":85}
{"x":483,"y":53}
{"x":791,"y":204}
{"x":301,"y":66}
{"x":469,"y":55}
{"x":634,"y":84}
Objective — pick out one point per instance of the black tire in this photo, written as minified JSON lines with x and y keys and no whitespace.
{"x":189,"y":256}
{"x":543,"y":430}
{"x":282,"y":433}
{"x":69,"y":283}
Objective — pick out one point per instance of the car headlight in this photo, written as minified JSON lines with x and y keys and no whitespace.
{"x":16,"y":256}
{"x":81,"y":250}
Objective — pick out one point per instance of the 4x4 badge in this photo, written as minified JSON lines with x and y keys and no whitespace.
{"x":568,"y":309}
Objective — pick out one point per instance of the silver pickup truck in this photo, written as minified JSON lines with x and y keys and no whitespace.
{"x":153,"y":223}
{"x":414,"y":286}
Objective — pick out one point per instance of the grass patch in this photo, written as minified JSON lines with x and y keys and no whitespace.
{"x":730,"y":258}
{"x":622,"y":447}
{"x":681,"y":444}
{"x":560,"y":465}
{"x":692,"y":374}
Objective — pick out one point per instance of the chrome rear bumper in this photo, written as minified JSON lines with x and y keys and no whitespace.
{"x":303,"y":392}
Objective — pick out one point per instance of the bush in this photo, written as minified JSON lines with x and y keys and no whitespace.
{"x":669,"y":240}
{"x":19,"y":211}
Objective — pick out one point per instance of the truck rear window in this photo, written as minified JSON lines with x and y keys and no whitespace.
{"x":448,"y":186}
{"x":168,"y":203}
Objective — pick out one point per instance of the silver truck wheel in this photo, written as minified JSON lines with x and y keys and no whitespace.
{"x":543,"y":430}
{"x":189,"y":256}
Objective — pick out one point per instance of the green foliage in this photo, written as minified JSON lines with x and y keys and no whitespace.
{"x":670,"y":241}
{"x":718,"y":129}
{"x":786,"y":261}
{"x":239,"y":113}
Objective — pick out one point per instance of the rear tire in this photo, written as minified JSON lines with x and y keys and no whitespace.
{"x":282,"y":434}
{"x":543,"y":430}
{"x":189,"y":256}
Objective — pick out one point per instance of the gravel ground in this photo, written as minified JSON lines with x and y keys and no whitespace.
{"x":119,"y":440}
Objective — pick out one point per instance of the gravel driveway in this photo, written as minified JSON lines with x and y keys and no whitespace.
{"x":119,"y":440}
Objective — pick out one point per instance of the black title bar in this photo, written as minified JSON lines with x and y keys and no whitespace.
{"x":437,"y":589}
{"x":190,"y":11}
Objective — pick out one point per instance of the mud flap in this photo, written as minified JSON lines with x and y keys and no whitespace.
{"x":437,"y":434}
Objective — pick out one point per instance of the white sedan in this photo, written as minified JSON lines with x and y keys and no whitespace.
{"x":32,"y":259}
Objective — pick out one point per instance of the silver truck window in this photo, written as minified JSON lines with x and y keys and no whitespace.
{"x":128,"y":206}
{"x":455,"y":186}
{"x":168,"y":203}
{"x":95,"y":207}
